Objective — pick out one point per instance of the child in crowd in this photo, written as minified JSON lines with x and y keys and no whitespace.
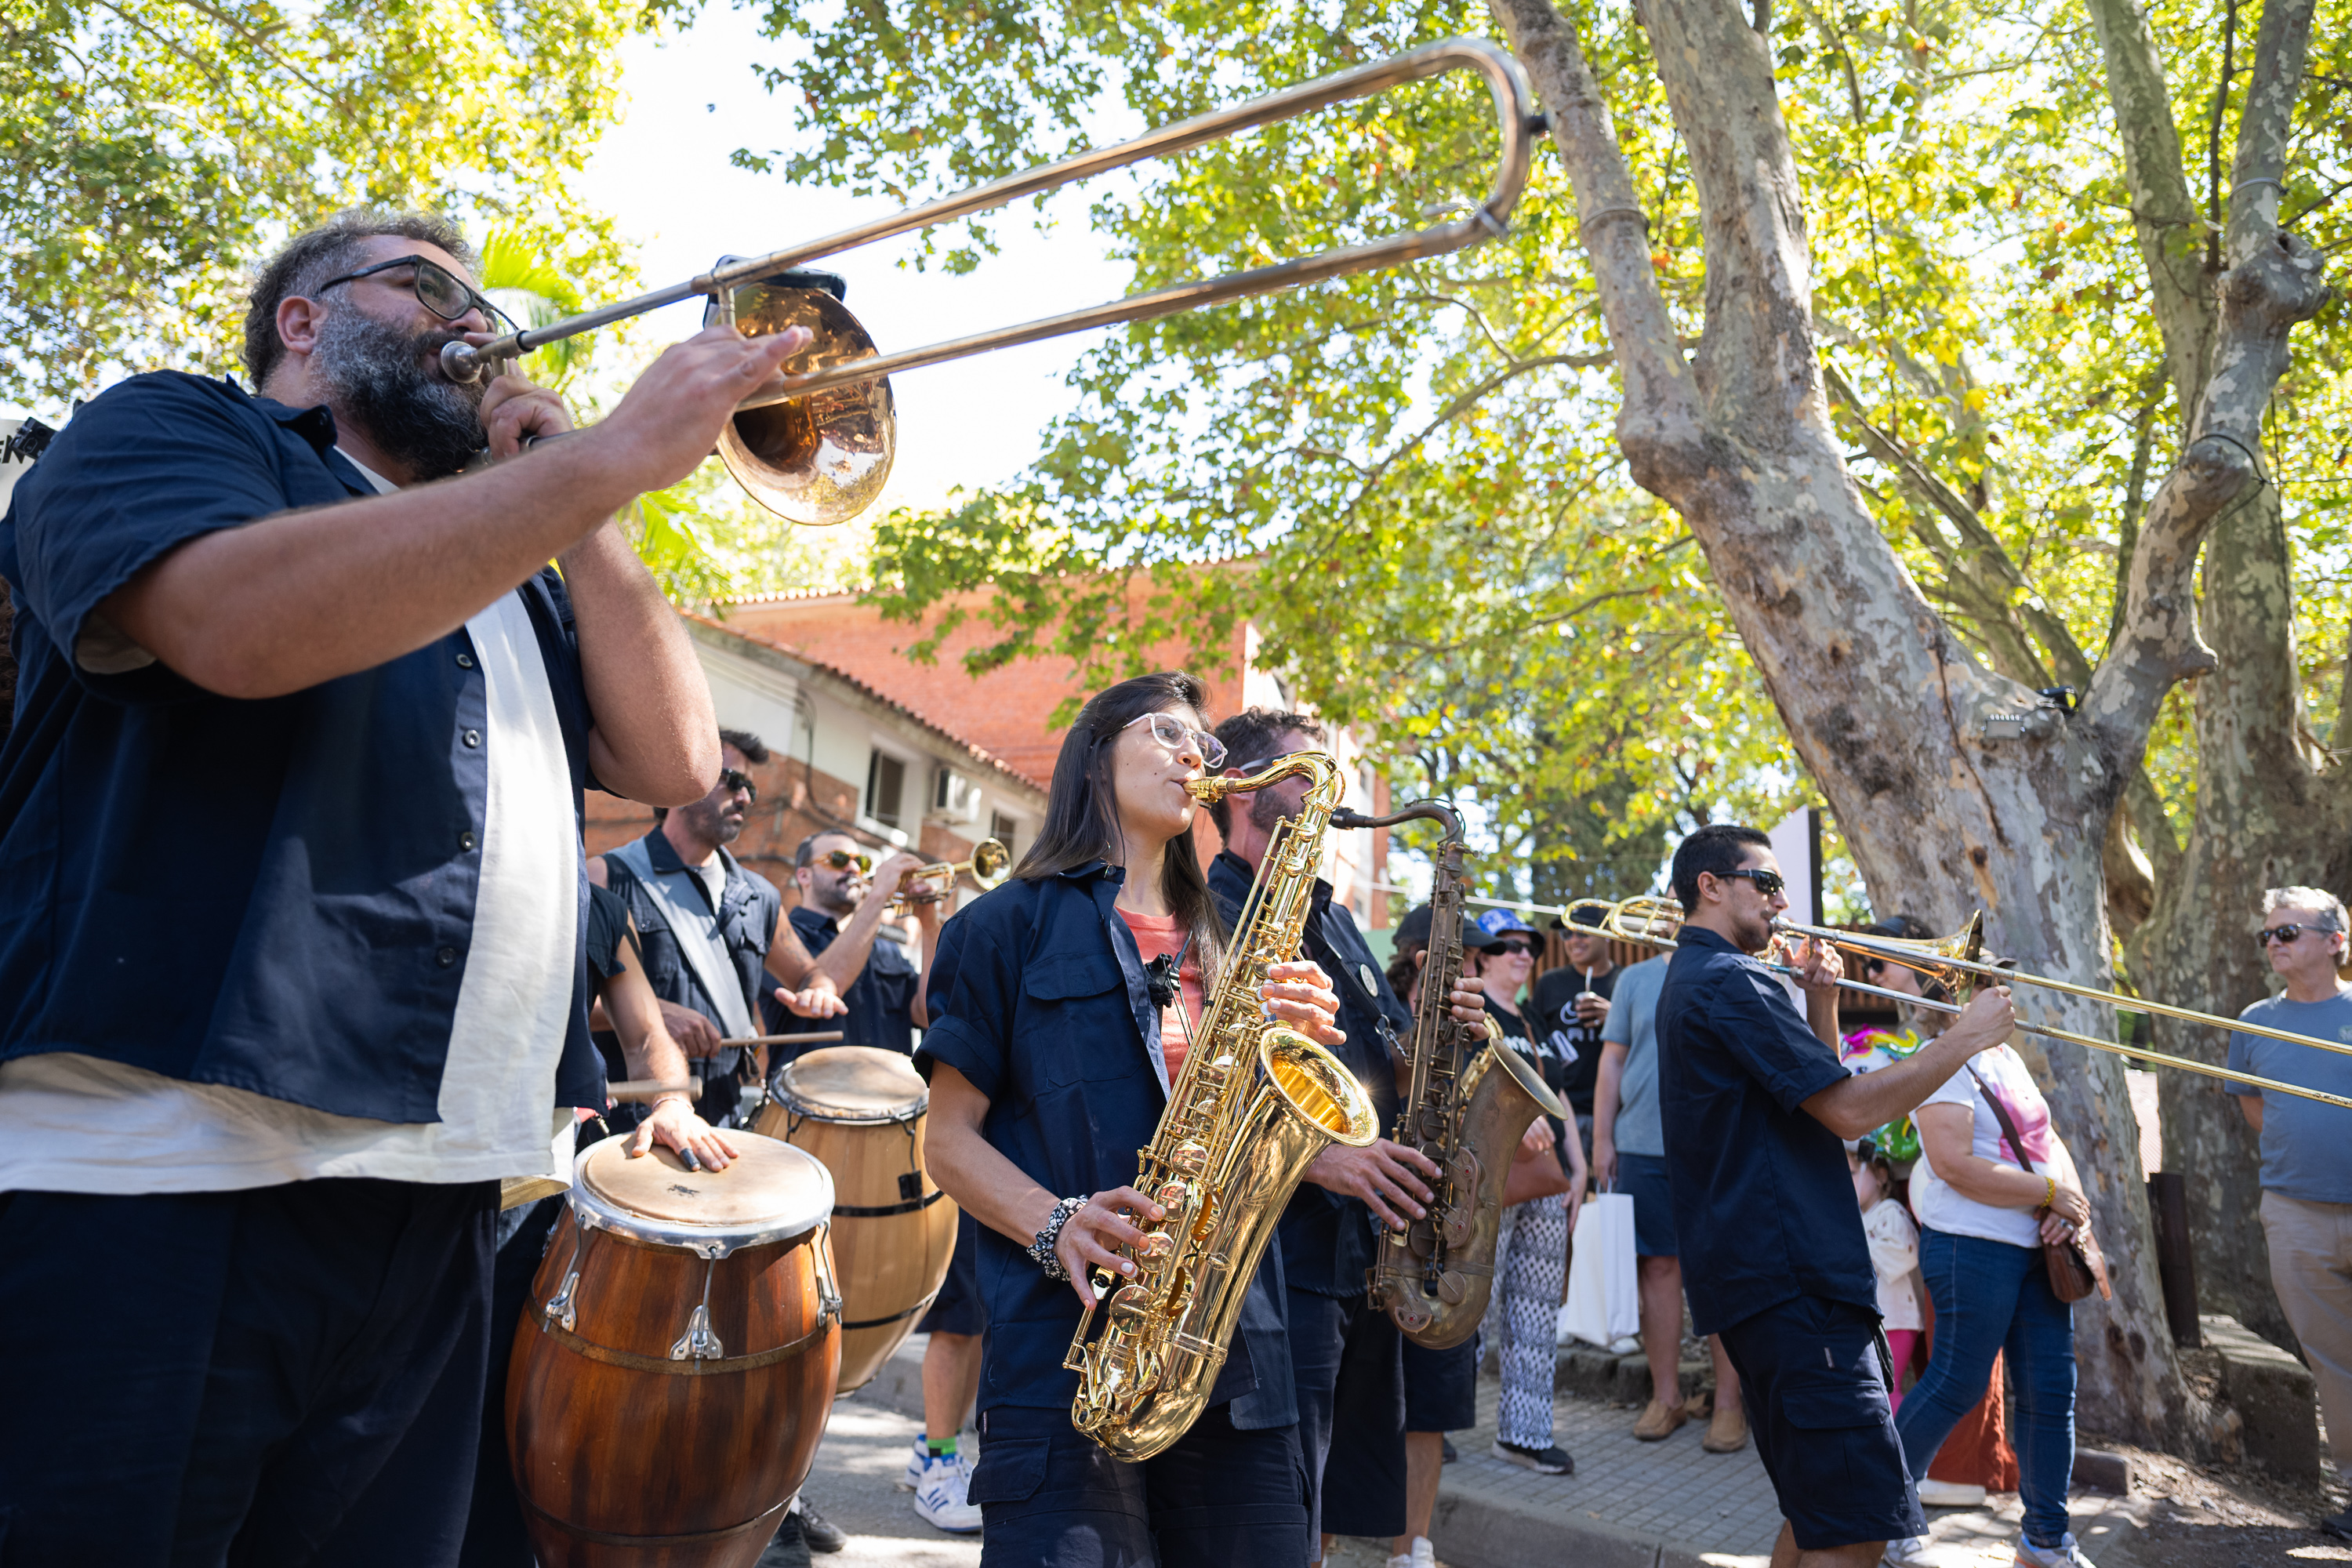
{"x":1894,"y":1254}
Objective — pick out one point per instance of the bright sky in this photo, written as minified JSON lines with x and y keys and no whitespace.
{"x":665,"y":174}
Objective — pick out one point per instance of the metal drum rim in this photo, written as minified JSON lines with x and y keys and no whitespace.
{"x":782,"y":1092}
{"x":595,"y":1212}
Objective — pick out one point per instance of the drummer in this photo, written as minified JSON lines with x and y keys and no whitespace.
{"x":1049,"y":1051}
{"x":708,"y":922}
{"x":840,"y":921}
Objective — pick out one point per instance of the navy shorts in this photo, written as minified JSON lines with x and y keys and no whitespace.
{"x":1642,"y":1178}
{"x":1441,"y":1387}
{"x":1052,"y":1497}
{"x":1815,"y":1391}
{"x":958,"y":1308}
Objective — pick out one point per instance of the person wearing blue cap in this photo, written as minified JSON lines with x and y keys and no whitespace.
{"x":1531,"y":1255}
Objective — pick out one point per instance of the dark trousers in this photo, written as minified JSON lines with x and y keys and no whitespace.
{"x":1051,"y":1497}
{"x":1348,"y":1363}
{"x":286,"y":1375}
{"x":494,"y":1529}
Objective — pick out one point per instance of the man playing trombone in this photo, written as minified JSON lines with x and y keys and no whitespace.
{"x":297,"y":693}
{"x":1756,"y":1107}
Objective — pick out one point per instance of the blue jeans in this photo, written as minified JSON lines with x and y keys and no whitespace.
{"x":1992,"y":1297}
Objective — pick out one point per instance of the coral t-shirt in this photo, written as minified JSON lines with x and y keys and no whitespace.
{"x":1157,"y":937}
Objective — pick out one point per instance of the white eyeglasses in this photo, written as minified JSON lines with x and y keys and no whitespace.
{"x":1174,"y":733}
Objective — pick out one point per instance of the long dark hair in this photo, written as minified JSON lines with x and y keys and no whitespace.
{"x":1082,"y":809}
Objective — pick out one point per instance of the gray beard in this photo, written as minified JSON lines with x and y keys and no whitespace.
{"x":377,"y":379}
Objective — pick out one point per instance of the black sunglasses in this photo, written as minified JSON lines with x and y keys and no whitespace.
{"x":842,"y":859}
{"x":437,"y":290}
{"x":732,"y":779}
{"x":1767,"y":882}
{"x":2284,"y":934}
{"x":1518,"y":947}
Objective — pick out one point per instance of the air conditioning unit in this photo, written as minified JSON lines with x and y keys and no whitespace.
{"x":954,"y":798}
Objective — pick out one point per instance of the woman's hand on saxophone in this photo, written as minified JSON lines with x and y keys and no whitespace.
{"x":1469,"y":1002}
{"x":1386,"y":1175}
{"x":1300,"y":994}
{"x":1091,"y":1238}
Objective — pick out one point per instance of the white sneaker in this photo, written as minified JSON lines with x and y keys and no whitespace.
{"x":1911,"y":1551}
{"x":1422,"y":1556}
{"x":913,"y":1478}
{"x":940,"y":1498}
{"x":2065,"y":1554}
{"x":1951,"y":1494}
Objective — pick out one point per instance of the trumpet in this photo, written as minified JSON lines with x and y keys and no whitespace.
{"x":1653,"y":921}
{"x":815,"y":446}
{"x":991,"y":862}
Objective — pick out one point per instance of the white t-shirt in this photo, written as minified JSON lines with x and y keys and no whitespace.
{"x":83,"y":1124}
{"x":1932,"y":1198}
{"x":1894,"y":1257}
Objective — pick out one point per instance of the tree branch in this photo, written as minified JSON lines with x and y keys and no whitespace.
{"x":2275,"y":282}
{"x":1658,"y":425}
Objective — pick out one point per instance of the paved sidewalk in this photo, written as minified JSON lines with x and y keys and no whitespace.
{"x":1629,"y":1504}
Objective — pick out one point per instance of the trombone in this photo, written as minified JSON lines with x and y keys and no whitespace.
{"x":1650,"y":921}
{"x":990,"y":863}
{"x":815,"y":445}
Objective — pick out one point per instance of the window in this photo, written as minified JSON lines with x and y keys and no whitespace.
{"x":885,"y":788}
{"x":1004,"y":830}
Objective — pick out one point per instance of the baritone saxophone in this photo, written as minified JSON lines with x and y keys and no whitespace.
{"x":1253,"y":1105}
{"x":1468,"y":1102}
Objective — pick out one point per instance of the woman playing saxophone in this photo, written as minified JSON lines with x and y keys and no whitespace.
{"x":1049,"y":1055}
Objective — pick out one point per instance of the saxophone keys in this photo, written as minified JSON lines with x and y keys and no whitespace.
{"x":1191,"y":1159}
{"x":1130,"y":1308}
{"x":1155,"y":1248}
{"x":1174,"y":1196}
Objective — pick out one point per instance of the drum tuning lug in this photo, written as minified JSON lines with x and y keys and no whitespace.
{"x":560,"y":1308}
{"x":698,"y":1343}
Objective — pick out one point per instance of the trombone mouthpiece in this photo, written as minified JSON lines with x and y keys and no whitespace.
{"x":461,"y":363}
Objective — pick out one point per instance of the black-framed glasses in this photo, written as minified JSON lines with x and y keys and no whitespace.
{"x":1174,"y":733}
{"x":437,"y":289}
{"x":842,"y":859}
{"x":1767,"y":882}
{"x":733,"y":779}
{"x":2284,"y":934}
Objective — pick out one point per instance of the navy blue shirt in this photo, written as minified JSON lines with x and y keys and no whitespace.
{"x":1037,"y":997}
{"x":880,"y":1000}
{"x":1328,"y":1239}
{"x":1763,"y":1203}
{"x":274,"y":895}
{"x":748,"y":907}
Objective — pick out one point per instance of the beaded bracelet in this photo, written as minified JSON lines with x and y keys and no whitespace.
{"x":1043,"y":1248}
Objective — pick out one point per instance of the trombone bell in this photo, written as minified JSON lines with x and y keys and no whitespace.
{"x":820,"y":458}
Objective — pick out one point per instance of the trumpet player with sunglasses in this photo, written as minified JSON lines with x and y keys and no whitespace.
{"x":2307,"y":1170}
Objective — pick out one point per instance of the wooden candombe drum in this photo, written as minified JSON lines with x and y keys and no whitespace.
{"x":674,"y":1369}
{"x":861,"y":1111}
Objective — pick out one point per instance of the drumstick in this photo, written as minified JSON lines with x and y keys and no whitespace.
{"x":781,"y":1039}
{"x":638,"y":1088}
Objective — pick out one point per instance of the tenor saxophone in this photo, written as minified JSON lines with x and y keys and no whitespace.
{"x":1468,"y":1102}
{"x":1252,"y":1106}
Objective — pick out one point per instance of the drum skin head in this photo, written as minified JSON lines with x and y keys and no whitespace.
{"x":772,"y":1179}
{"x":854,"y":1083}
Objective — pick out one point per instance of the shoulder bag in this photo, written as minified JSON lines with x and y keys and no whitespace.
{"x":2076,"y":1266}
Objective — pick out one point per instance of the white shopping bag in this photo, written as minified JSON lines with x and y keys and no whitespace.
{"x":1604,"y":1303}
